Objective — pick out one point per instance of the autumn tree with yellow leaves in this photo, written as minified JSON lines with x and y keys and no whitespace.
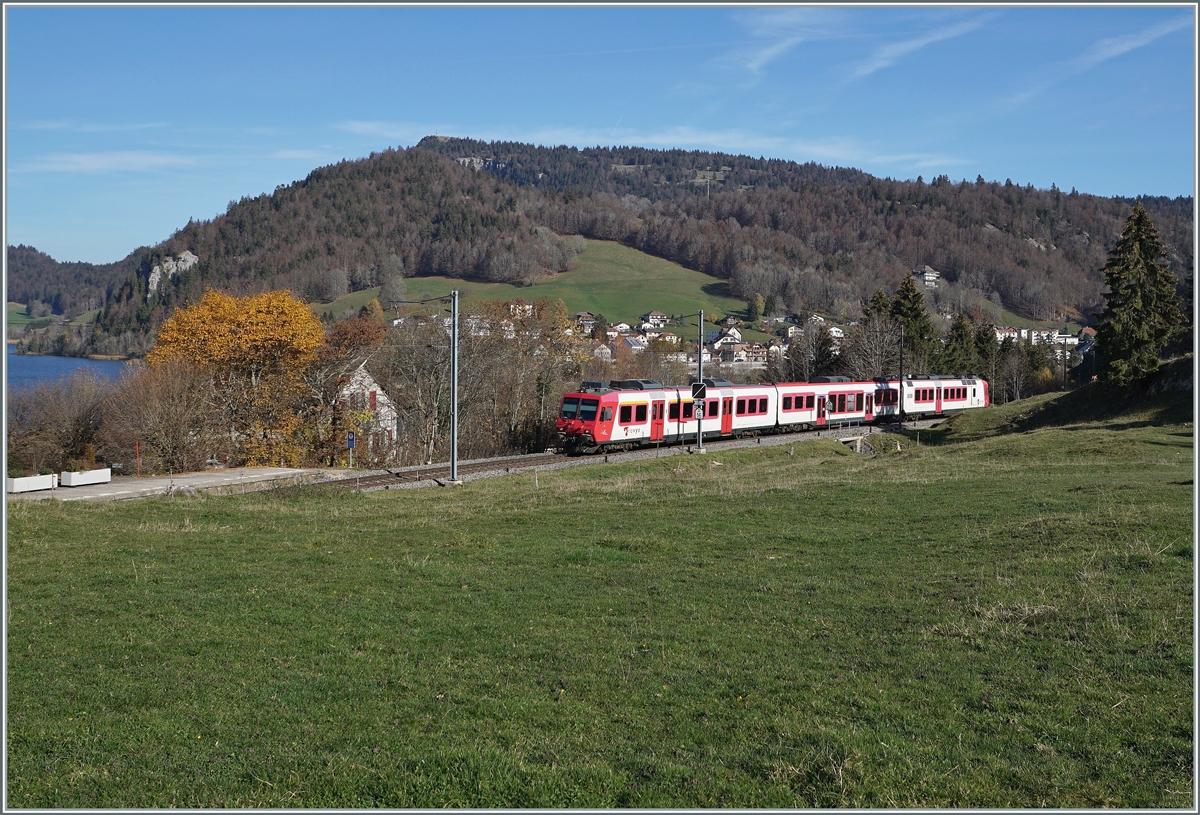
{"x":256,"y":349}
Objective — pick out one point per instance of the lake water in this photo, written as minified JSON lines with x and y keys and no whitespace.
{"x":28,"y":369}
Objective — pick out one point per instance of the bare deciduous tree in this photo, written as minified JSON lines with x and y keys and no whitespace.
{"x":52,"y":424}
{"x":872,"y":349}
{"x":169,"y":411}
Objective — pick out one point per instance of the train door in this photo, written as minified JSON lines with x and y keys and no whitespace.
{"x":820,"y":411}
{"x":727,"y":415}
{"x":867,"y":415}
{"x":937,"y":405}
{"x":658,"y":410}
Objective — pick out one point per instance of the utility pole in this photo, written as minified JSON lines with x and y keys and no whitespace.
{"x":454,"y":479}
{"x":700,"y":376}
{"x":900,"y":391}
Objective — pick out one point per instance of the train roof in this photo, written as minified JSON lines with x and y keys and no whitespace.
{"x":635,"y":385}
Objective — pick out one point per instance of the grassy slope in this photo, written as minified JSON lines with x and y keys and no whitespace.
{"x":1165,"y":397}
{"x":1001,"y":622}
{"x":610,"y":279}
{"x":17,"y":318}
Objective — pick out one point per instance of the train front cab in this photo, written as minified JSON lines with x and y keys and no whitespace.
{"x":582,"y":420}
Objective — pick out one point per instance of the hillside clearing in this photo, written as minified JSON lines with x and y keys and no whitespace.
{"x":610,"y":279}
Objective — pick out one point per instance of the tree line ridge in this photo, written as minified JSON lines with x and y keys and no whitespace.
{"x":815,"y":238}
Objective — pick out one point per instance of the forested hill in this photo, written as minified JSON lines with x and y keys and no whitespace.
{"x":817,"y":238}
{"x":827,"y":237}
{"x":65,"y":288}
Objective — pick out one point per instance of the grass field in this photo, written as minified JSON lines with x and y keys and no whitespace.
{"x":1005,"y":621}
{"x":610,"y":279}
{"x":17,"y":318}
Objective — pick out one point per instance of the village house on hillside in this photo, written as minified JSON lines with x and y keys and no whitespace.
{"x":586,"y":321}
{"x":655,"y":318}
{"x":927,"y":275}
{"x":602,"y":352}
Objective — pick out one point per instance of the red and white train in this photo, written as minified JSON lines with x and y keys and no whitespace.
{"x":631,"y":413}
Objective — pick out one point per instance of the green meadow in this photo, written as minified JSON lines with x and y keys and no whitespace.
{"x":610,"y":279}
{"x":1002,"y":618}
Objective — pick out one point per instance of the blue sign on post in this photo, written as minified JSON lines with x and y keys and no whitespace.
{"x":350,"y":439}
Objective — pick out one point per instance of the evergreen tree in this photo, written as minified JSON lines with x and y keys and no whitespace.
{"x":987,"y":350}
{"x":879,"y":306}
{"x":958,"y":355}
{"x":908,"y":309}
{"x":600,"y":328}
{"x":754,"y":308}
{"x":373,"y":311}
{"x":1142,"y":309}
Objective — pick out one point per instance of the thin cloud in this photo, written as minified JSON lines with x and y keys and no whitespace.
{"x":1100,"y":52}
{"x":779,"y":31}
{"x":116,"y":161}
{"x":888,"y":55}
{"x":1113,"y":47}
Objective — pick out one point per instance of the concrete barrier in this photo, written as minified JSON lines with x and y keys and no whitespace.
{"x":32,"y":483}
{"x":78,"y":479}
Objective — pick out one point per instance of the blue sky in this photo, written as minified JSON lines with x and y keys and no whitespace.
{"x":122,"y":123}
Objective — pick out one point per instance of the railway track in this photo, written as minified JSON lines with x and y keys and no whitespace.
{"x":440,"y":473}
{"x":408,"y":477}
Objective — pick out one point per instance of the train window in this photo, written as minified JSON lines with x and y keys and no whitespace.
{"x":812,"y":401}
{"x":606,"y":414}
{"x":762,"y":405}
{"x":687,"y":410}
{"x":587,"y":410}
{"x":570,"y":407}
{"x":673,"y":411}
{"x":741,"y":407}
{"x":626,"y":414}
{"x":787,"y":403}
{"x":841,"y":400}
{"x":713,"y":409}
{"x":639,"y":413}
